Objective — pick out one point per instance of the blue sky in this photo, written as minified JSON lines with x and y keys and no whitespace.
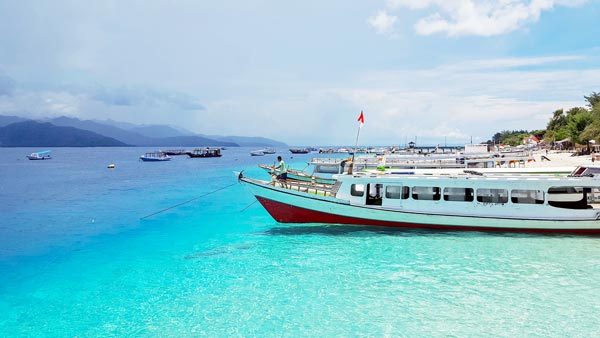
{"x":301,"y":72}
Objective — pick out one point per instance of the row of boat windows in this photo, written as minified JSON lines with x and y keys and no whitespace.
{"x":483,"y":195}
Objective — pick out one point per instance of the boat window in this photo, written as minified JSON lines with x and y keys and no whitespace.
{"x":492,"y":195}
{"x":527,"y":196}
{"x":397,"y":192}
{"x":327,"y":169}
{"x":357,"y":190}
{"x":426,"y":193}
{"x":393,"y":191}
{"x":458,"y":194}
{"x":569,"y":197}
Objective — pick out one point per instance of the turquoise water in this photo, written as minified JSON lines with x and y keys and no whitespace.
{"x":76,"y":260}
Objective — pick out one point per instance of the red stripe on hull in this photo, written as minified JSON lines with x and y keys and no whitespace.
{"x":285,"y":213}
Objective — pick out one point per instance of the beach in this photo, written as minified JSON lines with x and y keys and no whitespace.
{"x":559,"y":159}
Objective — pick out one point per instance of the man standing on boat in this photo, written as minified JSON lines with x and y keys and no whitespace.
{"x":282,"y":168}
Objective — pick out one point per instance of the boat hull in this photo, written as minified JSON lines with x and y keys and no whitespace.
{"x":202,"y":156}
{"x":146,"y":159}
{"x":287,"y":206}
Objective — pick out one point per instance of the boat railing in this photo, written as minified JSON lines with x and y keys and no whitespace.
{"x":362,"y":163}
{"x":311,"y":187}
{"x":325,"y":160}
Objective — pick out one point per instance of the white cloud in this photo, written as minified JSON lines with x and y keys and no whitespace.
{"x":448,"y":103}
{"x":478,"y":17}
{"x":457,"y":101}
{"x":451,"y":102}
{"x":382,"y":22}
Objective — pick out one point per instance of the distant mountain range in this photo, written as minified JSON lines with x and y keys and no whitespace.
{"x":65,"y":131}
{"x":32,"y":133}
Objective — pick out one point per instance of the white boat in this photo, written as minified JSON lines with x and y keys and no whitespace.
{"x":40,"y":155}
{"x":457,"y":201}
{"x":257,"y":153}
{"x":155,"y":157}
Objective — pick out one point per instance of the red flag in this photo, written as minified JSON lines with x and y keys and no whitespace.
{"x":361,"y":118}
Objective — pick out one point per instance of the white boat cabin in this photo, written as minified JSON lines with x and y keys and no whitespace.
{"x":474,"y":194}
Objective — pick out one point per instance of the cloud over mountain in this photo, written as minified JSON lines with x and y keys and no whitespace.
{"x":130,"y":103}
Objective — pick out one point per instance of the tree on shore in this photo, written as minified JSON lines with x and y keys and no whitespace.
{"x":593,"y":99}
{"x":514,"y":137}
{"x":580,"y":124}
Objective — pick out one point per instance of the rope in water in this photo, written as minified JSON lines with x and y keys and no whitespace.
{"x":249,"y":205}
{"x":188,"y":201}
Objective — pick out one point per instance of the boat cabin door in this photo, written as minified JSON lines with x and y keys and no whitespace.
{"x":374,"y":194}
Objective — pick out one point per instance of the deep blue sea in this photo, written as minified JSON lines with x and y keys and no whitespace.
{"x":77,"y":260}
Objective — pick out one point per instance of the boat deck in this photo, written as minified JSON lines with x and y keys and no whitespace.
{"x":307,"y":187}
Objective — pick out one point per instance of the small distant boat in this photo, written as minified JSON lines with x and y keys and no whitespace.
{"x":205,"y":152}
{"x":262,"y":152}
{"x":40,"y":155}
{"x":299,"y":150}
{"x":155,"y":157}
{"x":173,"y":152}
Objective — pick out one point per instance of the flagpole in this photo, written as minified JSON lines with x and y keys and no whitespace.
{"x":361,"y":121}
{"x":356,"y":143}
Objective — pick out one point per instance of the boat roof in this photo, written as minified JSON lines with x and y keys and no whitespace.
{"x":515,"y":175}
{"x":42,"y":152}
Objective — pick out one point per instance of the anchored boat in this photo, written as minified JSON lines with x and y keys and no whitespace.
{"x":468,"y":200}
{"x":40,"y":155}
{"x":173,"y":152}
{"x":155,"y":157}
{"x":299,"y":150}
{"x":205,"y":152}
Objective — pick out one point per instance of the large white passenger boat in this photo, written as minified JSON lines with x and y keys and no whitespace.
{"x":461,"y":201}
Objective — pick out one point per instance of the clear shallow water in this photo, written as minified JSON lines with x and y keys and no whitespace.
{"x":76,"y":260}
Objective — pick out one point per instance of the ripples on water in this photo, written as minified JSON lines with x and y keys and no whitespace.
{"x":78,"y":261}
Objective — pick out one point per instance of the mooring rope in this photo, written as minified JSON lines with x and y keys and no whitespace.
{"x":188,"y":201}
{"x":249,"y":205}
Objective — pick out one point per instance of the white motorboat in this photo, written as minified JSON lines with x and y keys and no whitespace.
{"x":468,"y":200}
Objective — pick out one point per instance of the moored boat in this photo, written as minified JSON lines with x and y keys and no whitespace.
{"x":40,"y":155}
{"x":457,"y":201}
{"x":155,"y":157}
{"x":204,"y":152}
{"x":173,"y":152}
{"x":299,"y":150}
{"x":257,"y":153}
